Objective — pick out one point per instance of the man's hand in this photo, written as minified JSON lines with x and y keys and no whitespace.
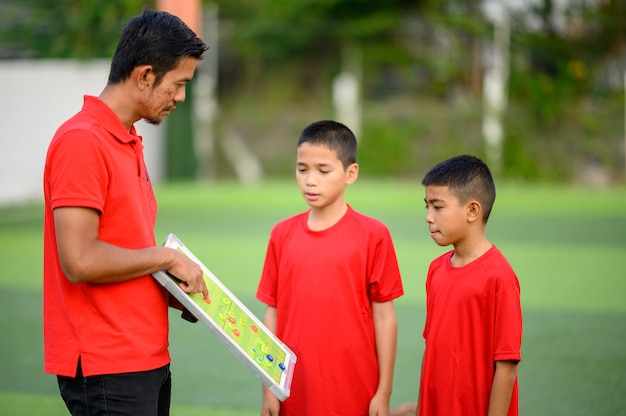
{"x":189,"y":274}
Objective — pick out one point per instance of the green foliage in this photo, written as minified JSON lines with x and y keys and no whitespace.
{"x":312,"y":38}
{"x":386,"y":148}
{"x":64,"y":28}
{"x":565,"y":110}
{"x":519,"y":161}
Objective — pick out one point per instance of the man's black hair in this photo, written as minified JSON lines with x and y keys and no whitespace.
{"x":154,"y":38}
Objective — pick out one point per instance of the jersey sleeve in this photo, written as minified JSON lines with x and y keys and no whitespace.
{"x":385,"y":282}
{"x":508,"y":322}
{"x":267,"y":291}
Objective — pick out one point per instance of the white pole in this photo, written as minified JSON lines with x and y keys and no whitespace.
{"x":495,"y":79}
{"x":346,"y":92}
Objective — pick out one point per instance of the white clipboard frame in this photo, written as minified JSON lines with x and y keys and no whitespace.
{"x":260,"y":364}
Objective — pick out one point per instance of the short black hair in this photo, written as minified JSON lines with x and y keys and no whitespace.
{"x":335,"y":136}
{"x":467,"y":177}
{"x":154,"y":38}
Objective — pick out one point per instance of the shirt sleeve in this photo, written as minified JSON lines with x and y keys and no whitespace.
{"x":508,"y":322}
{"x":267,"y":291}
{"x":78,"y":175}
{"x":385,"y":282}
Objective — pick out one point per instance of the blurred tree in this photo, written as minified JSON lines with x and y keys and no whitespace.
{"x":63,"y":28}
{"x":567,"y":55}
{"x":313,"y":35}
{"x":461,"y":28}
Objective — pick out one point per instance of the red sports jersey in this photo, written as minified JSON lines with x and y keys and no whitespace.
{"x":93,"y":161}
{"x":323,"y":285}
{"x":473,"y":318}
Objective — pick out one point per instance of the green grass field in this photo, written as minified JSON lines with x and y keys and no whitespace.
{"x":567,"y":245}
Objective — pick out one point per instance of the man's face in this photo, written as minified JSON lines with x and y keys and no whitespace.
{"x":162,"y":98}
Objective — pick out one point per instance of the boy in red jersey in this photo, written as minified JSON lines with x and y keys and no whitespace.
{"x":473,"y":329}
{"x":329,"y":280}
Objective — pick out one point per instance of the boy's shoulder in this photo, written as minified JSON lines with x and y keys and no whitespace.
{"x":497,"y":258}
{"x":441,"y":259}
{"x":493,"y":259}
{"x":352,"y":217}
{"x":365,"y":219}
{"x":289,"y":222}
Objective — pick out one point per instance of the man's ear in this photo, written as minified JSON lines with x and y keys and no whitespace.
{"x":352,"y":172}
{"x":474,"y":211}
{"x":144,"y":76}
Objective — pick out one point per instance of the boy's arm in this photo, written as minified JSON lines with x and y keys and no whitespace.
{"x":271,"y":404}
{"x":502,"y":388}
{"x":386,"y":329}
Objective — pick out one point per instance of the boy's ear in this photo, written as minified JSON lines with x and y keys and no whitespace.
{"x":474,"y":211}
{"x":352,"y":172}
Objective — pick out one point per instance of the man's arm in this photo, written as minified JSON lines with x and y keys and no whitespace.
{"x":271,"y":404}
{"x":386,"y":329}
{"x":502,"y":388}
{"x":85,"y":258}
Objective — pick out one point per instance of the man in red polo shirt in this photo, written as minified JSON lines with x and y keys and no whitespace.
{"x":108,"y":350}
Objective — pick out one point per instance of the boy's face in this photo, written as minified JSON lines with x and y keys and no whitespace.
{"x":321,"y":176}
{"x":447,"y":219}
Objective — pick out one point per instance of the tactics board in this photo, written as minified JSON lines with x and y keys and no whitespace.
{"x":235,"y":326}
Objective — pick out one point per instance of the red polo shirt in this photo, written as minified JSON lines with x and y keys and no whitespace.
{"x":93,"y":161}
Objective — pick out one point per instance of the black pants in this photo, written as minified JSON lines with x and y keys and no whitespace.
{"x":145,"y":393}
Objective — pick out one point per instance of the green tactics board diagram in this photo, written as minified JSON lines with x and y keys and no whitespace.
{"x":235,"y":326}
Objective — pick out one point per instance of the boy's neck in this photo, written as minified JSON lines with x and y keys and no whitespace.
{"x":320,"y":219}
{"x":467,"y":251}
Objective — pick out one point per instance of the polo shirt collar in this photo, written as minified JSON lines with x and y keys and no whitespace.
{"x":109,"y":120}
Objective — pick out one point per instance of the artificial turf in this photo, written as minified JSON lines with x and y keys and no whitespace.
{"x":566,"y":244}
